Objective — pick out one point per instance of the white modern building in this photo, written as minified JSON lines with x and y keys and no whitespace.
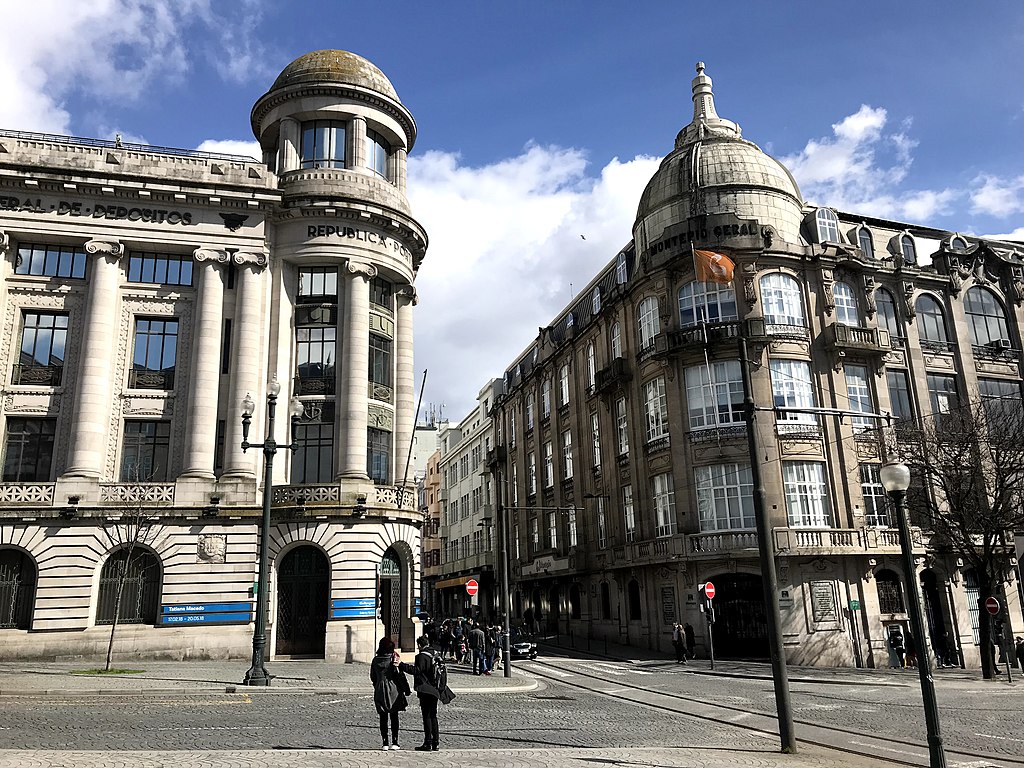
{"x":146,"y":293}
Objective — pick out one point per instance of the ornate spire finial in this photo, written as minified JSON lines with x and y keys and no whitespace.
{"x":703,"y":98}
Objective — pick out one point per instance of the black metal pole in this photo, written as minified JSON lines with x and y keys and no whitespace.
{"x":257,"y":673}
{"x":936,"y":754}
{"x":506,"y":598}
{"x":766,"y":550}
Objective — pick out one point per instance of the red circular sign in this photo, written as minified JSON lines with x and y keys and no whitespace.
{"x":992,"y":605}
{"x":709,"y":591}
{"x":472,"y":587}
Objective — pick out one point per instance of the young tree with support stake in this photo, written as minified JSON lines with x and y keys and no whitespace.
{"x":968,"y":467}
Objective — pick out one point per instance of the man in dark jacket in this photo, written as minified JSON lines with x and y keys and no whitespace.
{"x":477,"y":644}
{"x":428,"y":691}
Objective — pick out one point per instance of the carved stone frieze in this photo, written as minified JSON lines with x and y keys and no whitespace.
{"x":938,"y":360}
{"x":41,"y":403}
{"x":870,"y":305}
{"x":211,"y":548}
{"x":157,"y":406}
{"x":381,"y":418}
{"x":999,"y":367}
{"x":1015,"y":280}
{"x":828,"y":281}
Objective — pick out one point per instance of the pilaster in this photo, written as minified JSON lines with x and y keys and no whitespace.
{"x":354,"y":370}
{"x":404,"y":383}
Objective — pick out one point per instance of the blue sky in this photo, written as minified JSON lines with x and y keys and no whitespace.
{"x":542,"y":121}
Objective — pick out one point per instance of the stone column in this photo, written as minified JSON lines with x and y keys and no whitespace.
{"x":358,"y":143}
{"x":289,"y":142}
{"x":94,"y":397}
{"x":401,"y":157}
{"x":352,"y":407}
{"x":201,"y":434}
{"x":246,"y":357}
{"x":405,"y":399}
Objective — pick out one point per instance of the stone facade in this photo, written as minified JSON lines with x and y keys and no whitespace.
{"x":146,"y":292}
{"x":621,"y":442}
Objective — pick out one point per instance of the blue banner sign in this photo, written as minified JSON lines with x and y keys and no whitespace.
{"x":206,"y":613}
{"x":354,"y":608}
{"x":354,"y":602}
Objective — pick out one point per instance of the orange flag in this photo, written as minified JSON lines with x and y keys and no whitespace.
{"x":712,"y":267}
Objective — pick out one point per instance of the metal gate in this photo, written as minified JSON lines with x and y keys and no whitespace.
{"x":17,"y":589}
{"x":391,"y":596}
{"x":303,"y":594}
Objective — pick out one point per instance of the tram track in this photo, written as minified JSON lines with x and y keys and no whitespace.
{"x":897,"y":751}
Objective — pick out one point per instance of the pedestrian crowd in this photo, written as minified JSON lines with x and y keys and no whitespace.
{"x":467,"y":641}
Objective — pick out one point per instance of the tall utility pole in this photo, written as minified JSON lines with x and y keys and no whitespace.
{"x":766,"y":550}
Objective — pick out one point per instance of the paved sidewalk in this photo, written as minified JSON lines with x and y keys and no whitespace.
{"x":661,"y":757}
{"x":63,"y":678}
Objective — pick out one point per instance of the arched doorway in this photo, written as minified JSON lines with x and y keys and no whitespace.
{"x":129,"y":587}
{"x":741,"y":625}
{"x":935,"y":614}
{"x":303,"y":595}
{"x":17,"y":589}
{"x":390,"y":592}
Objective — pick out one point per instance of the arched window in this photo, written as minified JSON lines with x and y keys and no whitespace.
{"x":17,"y":589}
{"x":595,"y":301}
{"x":591,"y":365}
{"x":782,"y":301}
{"x":931,"y":319}
{"x":887,"y":317}
{"x":633,"y":600}
{"x":986,"y":318}
{"x":865,"y":243}
{"x":621,"y":273}
{"x":957,"y":243}
{"x":706,"y":302}
{"x":909,"y":249}
{"x":648,"y":322}
{"x":570,"y":321}
{"x":606,"y":601}
{"x":890,"y":592}
{"x":136,"y":571}
{"x":827,"y":225}
{"x":847,"y":311}
{"x":616,"y":337}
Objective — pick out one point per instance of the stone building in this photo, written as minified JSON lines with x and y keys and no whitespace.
{"x":146,"y":293}
{"x":621,"y":453}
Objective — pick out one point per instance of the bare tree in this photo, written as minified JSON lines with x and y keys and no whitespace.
{"x":968,"y":470}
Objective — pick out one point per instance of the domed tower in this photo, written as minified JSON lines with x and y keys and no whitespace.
{"x":336,"y":134}
{"x":712,"y":184}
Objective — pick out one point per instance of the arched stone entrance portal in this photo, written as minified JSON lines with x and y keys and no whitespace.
{"x":390,"y":591}
{"x":741,"y":624}
{"x":303,"y":596}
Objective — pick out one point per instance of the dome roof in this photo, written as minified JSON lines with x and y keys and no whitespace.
{"x":335,"y":67}
{"x":714,"y":170}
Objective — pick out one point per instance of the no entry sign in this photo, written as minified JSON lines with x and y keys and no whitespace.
{"x":709,"y":590}
{"x":472,"y":587}
{"x":992,"y":605}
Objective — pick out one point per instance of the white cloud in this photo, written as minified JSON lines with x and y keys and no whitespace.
{"x":505,"y":247}
{"x":232,"y":147}
{"x":998,"y":197}
{"x":845,"y":170}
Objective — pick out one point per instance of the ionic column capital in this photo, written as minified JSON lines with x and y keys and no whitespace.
{"x":406,"y":294}
{"x":105,"y":247}
{"x":211,"y":254}
{"x":258,"y":259}
{"x":5,"y":243}
{"x":359,"y":268}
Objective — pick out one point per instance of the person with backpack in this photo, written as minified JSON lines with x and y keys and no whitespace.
{"x":390,"y":690}
{"x":431,"y":686}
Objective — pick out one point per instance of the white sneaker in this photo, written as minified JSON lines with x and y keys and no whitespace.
{"x":385,"y":747}
{"x":395,"y":746}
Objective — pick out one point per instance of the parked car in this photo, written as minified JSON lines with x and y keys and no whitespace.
{"x":523,"y":649}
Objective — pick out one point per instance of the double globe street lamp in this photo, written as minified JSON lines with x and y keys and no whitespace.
{"x":257,"y":673}
{"x":895,"y":478}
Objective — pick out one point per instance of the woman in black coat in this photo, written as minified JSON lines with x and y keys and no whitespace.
{"x":390,"y":690}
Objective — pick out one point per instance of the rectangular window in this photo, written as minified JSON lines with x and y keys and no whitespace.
{"x":858,"y":393}
{"x":1001,"y":400}
{"x":378,"y":455}
{"x":876,"y":501}
{"x":899,"y":394}
{"x":531,"y":473}
{"x":549,"y":465}
{"x":563,"y":385}
{"x":313,"y":457}
{"x":567,"y":454}
{"x":160,"y":268}
{"x":43,"y":336}
{"x":382,"y":294}
{"x":476,"y":456}
{"x":530,"y":407}
{"x":714,"y":394}
{"x":515,"y":542}
{"x":156,"y":349}
{"x":628,"y":516}
{"x":464,"y":466}
{"x":602,"y":524}
{"x":534,"y":534}
{"x":552,"y":541}
{"x":28,"y":453}
{"x":656,"y":409}
{"x":622,"y":426}
{"x":318,"y":284}
{"x":664,"y":496}
{"x":515,"y":486}
{"x":322,"y":144}
{"x":377,"y":151}
{"x":595,"y":431}
{"x":791,"y":388}
{"x":806,"y":495}
{"x":478,"y":500}
{"x":464,"y":507}
{"x":380,"y":361}
{"x":50,"y":261}
{"x":545,"y":399}
{"x":315,"y":353}
{"x":725,"y":497}
{"x":144,"y":454}
{"x":573,"y":541}
{"x":942,"y":396}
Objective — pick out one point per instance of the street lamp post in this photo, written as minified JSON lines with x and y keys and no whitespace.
{"x":257,"y":672}
{"x":895,"y":477}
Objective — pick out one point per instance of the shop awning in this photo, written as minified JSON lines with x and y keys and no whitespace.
{"x":458,"y":581}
